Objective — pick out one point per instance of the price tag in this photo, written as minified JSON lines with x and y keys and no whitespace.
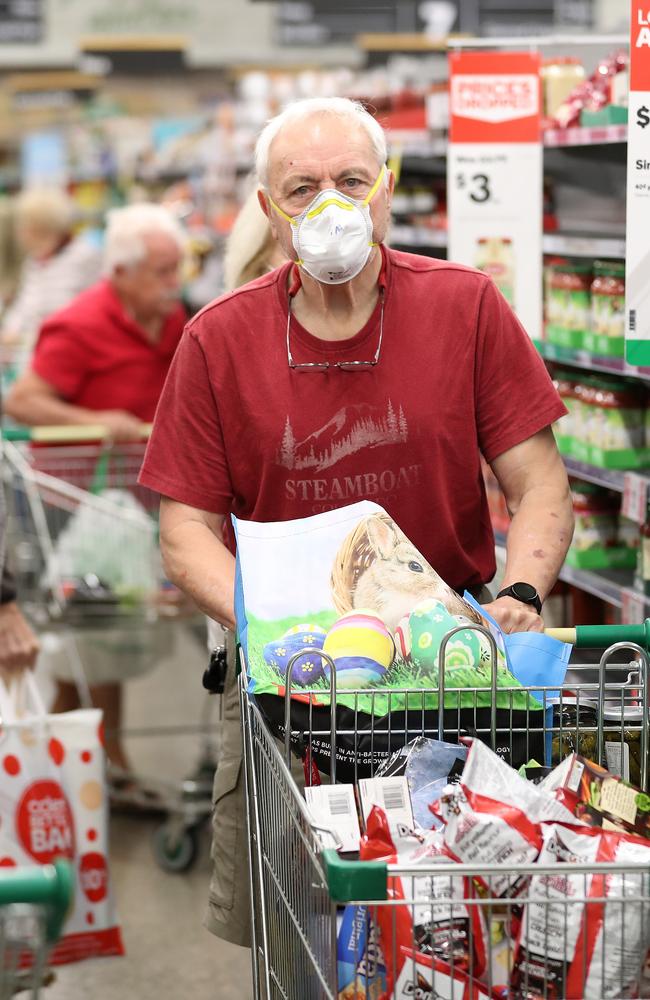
{"x":637,"y":278}
{"x":635,"y":497}
{"x":494,"y":167}
{"x":632,"y":608}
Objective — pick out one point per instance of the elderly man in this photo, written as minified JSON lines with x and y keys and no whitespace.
{"x":255,"y":418}
{"x":103,"y":360}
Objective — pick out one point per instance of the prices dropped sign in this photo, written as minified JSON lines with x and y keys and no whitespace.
{"x":637,"y":282}
{"x":494,"y":174}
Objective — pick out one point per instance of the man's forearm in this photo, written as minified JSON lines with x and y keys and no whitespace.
{"x":201,"y":565}
{"x":35,"y":410}
{"x":538,"y":539}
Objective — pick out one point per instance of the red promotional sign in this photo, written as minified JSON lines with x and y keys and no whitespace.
{"x":640,"y":45}
{"x":44,"y":822}
{"x":93,"y":876}
{"x":495,"y":97}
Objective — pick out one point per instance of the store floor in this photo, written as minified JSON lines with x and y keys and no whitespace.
{"x":170,"y":956}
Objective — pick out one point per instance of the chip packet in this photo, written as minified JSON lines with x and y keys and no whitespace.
{"x":423,"y":977}
{"x":569,"y":949}
{"x":493,"y":816}
{"x":439,"y":924}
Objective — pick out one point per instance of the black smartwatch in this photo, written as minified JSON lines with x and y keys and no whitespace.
{"x":523,"y":592}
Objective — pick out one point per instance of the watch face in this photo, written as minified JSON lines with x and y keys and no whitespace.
{"x":524,"y":592}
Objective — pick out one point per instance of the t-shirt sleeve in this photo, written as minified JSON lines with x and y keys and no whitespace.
{"x":62,"y":357}
{"x":186,"y":458}
{"x":515,"y":397}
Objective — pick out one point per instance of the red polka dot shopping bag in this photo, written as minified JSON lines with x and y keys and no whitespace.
{"x":53,"y":804}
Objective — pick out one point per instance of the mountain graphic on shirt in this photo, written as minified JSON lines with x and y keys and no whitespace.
{"x":352,"y":429}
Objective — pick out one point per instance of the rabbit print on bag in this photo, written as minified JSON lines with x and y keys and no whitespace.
{"x":378,"y":567}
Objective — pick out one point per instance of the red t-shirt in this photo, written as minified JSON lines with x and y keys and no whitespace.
{"x":97,"y":357}
{"x":238,"y":431}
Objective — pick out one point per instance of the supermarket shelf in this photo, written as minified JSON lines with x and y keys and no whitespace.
{"x":612,"y":479}
{"x":583,"y":136}
{"x":584,"y":360}
{"x":552,"y":243}
{"x":416,"y":142}
{"x":416,"y":236}
{"x":611,"y":586}
{"x":583,"y":246}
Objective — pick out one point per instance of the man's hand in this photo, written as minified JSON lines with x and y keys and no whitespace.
{"x":19,"y":646}
{"x":514,"y":616}
{"x":121,"y":426}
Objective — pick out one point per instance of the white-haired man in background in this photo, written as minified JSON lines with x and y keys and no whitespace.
{"x":103,"y":360}
{"x":350,"y":331}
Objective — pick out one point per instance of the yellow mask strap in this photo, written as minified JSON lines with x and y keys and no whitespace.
{"x":375,"y":187}
{"x":281,"y":212}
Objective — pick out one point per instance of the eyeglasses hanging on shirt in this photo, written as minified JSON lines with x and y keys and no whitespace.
{"x":344,"y":366}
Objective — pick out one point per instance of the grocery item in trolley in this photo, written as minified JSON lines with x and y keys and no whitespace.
{"x":350,"y":583}
{"x":425,"y":978}
{"x":589,"y":950}
{"x":602,"y":799}
{"x":361,"y":970}
{"x":493,"y":816}
{"x":54,"y":805}
{"x":428,"y":766}
{"x":444,"y":926}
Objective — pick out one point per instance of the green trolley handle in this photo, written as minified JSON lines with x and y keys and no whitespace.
{"x":601,"y":636}
{"x":48,"y":886}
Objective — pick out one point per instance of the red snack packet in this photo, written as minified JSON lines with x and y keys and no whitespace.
{"x":493,"y":817}
{"x":441,"y":925}
{"x":569,"y":949}
{"x":425,"y":978}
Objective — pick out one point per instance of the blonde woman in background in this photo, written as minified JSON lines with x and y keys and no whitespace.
{"x":57,"y":265}
{"x":251,"y":250}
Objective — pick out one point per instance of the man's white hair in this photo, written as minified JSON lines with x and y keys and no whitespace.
{"x":126,"y":229}
{"x":297,"y":111}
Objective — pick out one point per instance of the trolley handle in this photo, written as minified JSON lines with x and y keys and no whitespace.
{"x":602,"y":636}
{"x":64,"y":433}
{"x":51,"y":886}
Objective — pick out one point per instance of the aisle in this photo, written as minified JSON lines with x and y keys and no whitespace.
{"x":169,"y":954}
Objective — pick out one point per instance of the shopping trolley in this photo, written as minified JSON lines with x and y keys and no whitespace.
{"x":299,"y":880}
{"x":84,"y":539}
{"x":33,"y":906}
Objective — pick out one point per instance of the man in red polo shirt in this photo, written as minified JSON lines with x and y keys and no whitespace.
{"x":103,"y":360}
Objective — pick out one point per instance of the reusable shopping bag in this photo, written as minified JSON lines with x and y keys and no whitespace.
{"x":349,"y":582}
{"x":53,"y":803}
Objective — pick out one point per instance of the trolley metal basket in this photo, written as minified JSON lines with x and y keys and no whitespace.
{"x":299,"y":880}
{"x":83,"y":536}
{"x":33,"y":906}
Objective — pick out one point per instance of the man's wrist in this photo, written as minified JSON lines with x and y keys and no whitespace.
{"x":523,"y":592}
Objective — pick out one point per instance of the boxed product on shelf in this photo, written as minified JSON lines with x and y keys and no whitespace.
{"x":606,"y":424}
{"x":596,"y":542}
{"x":606,"y":335}
{"x":568,"y":307}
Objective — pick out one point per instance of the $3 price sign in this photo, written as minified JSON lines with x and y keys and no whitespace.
{"x":477,"y":186}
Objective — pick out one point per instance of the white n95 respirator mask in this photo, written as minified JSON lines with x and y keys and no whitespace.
{"x":333,"y":235}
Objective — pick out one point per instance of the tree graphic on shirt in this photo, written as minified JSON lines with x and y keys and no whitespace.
{"x":287,"y":448}
{"x":352,"y":429}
